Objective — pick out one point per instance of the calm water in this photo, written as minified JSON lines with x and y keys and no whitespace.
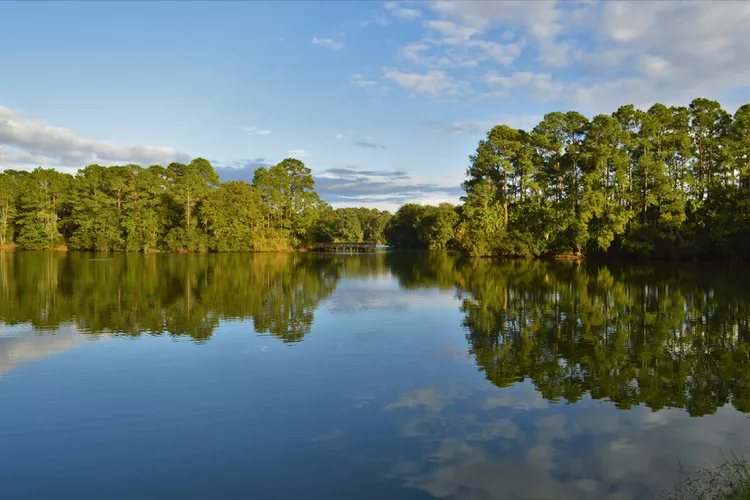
{"x":407,"y":376}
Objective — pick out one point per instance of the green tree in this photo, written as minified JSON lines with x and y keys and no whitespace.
{"x":436,"y":226}
{"x":558,"y":140}
{"x":483,"y":227}
{"x":288,"y":190}
{"x":8,"y":195}
{"x":95,"y":198}
{"x":143,"y":197}
{"x":604,"y":206}
{"x":40,"y":203}
{"x":376,"y":222}
{"x":403,"y":228}
{"x":233,"y":214}
{"x":709,"y":124}
{"x":189,"y":185}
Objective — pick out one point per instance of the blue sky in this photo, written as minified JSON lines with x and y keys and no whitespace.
{"x":384,"y":101}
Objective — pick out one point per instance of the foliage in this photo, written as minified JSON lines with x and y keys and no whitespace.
{"x":232,"y":215}
{"x":8,"y":196}
{"x":665,"y":182}
{"x":181,"y":208}
{"x":422,"y":226}
{"x":288,"y":190}
{"x":40,"y":208}
{"x":351,"y":225}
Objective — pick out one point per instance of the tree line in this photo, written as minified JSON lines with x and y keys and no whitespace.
{"x":181,"y":207}
{"x":668,"y":181}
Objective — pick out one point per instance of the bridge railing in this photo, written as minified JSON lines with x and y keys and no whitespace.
{"x":344,"y":247}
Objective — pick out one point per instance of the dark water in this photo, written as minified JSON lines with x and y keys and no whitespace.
{"x":364,"y":377}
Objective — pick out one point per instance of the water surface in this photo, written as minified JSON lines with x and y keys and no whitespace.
{"x":392,"y":375}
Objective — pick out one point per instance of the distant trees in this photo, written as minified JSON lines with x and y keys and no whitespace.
{"x":352,"y":225}
{"x":180,"y":208}
{"x":423,"y":226}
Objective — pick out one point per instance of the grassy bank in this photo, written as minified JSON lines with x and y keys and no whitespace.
{"x":728,"y":481}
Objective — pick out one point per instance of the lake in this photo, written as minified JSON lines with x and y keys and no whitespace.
{"x":386,"y":375}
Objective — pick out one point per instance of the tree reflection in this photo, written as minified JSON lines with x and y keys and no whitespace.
{"x":178,"y":295}
{"x":663,"y":336}
{"x":415,"y":270}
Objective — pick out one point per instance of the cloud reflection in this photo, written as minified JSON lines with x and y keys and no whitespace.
{"x":512,"y":447}
{"x":20,"y":344}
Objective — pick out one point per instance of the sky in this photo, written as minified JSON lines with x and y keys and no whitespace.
{"x":384,"y":101}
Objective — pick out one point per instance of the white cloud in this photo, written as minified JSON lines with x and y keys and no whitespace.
{"x":298,"y":153}
{"x":541,"y":85}
{"x":385,"y":190}
{"x":480,"y":127}
{"x":433,"y":83}
{"x":29,"y":142}
{"x":328,"y":43}
{"x":415,"y":52}
{"x":670,"y":52}
{"x":402,"y":13}
{"x":604,"y":59}
{"x":613,"y":52}
{"x":13,"y":156}
{"x":502,"y":53}
{"x":541,"y":20}
{"x":361,"y":81}
{"x":469,"y":127}
{"x":256,"y":131}
{"x":452,"y":32}
{"x":653,"y":65}
{"x":339,"y":136}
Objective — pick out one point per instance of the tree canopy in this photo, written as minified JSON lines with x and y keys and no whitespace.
{"x":662,"y":182}
{"x":180,"y":208}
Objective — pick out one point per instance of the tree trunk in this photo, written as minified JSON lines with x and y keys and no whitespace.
{"x":187,"y":213}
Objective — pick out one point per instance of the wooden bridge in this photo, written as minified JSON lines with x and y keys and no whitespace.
{"x":344,"y":247}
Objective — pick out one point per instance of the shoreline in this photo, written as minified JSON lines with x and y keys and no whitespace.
{"x":561,"y":258}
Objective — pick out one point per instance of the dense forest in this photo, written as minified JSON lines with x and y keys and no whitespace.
{"x":675,"y":335}
{"x":181,"y":207}
{"x":666,"y":182}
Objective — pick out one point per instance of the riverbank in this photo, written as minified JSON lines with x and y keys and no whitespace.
{"x":728,"y":481}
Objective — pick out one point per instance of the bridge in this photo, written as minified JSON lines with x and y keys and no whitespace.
{"x":344,"y":247}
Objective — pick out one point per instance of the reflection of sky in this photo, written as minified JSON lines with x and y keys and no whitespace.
{"x":19,"y":344}
{"x":380,"y":400}
{"x":509,"y":443}
{"x":384,"y":293}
